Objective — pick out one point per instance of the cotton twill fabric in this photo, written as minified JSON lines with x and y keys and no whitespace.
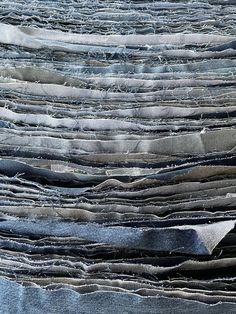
{"x":117,"y":156}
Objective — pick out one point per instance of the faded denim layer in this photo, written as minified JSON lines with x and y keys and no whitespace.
{"x":117,"y":156}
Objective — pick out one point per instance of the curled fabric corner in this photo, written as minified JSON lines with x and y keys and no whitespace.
{"x":195,"y":239}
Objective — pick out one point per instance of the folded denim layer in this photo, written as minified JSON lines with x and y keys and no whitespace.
{"x":117,"y":156}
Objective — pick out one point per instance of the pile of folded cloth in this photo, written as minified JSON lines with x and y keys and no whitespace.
{"x":117,"y":156}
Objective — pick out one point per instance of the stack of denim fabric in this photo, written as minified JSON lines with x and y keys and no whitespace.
{"x":117,"y":156}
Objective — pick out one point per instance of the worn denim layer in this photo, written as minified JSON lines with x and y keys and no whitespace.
{"x":123,"y":17}
{"x":117,"y":156}
{"x":34,"y":300}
